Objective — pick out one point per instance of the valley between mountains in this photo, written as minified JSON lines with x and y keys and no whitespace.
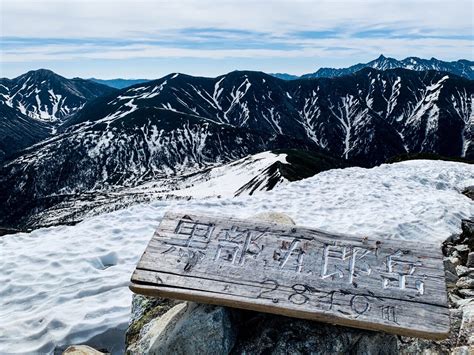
{"x":72,"y":147}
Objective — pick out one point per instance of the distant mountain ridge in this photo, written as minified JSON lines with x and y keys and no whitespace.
{"x":285,"y":76}
{"x":368,"y":116}
{"x":462,"y":67}
{"x":119,"y":83}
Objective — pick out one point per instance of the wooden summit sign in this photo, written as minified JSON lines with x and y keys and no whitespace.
{"x":362,"y":282}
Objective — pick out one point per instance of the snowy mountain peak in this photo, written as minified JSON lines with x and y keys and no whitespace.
{"x":462,"y":67}
{"x":46,"y":96}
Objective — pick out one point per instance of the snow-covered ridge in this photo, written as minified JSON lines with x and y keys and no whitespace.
{"x":246,"y":176}
{"x":226,"y":180}
{"x":68,"y":284}
{"x":28,"y":102}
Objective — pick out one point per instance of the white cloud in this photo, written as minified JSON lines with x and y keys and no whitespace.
{"x":234,"y":29}
{"x":107,"y":18}
{"x":309,"y":49}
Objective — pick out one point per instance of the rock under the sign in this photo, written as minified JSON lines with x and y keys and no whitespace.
{"x":188,"y":328}
{"x":462,"y":270}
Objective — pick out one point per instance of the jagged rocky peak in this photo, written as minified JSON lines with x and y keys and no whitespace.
{"x":383,"y":63}
{"x":462,"y":67}
{"x":44,"y":95}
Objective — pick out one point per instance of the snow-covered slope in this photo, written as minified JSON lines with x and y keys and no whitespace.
{"x":226,"y":180}
{"x":252,"y":174}
{"x":68,"y":284}
{"x":222,"y":180}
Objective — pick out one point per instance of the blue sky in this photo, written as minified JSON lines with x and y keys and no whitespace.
{"x":149,"y":39}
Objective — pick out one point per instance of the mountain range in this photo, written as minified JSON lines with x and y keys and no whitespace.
{"x":366,"y":117}
{"x":462,"y":67}
{"x":173,"y":131}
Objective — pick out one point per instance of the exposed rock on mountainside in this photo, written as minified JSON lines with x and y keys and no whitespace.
{"x":18,"y":131}
{"x":469,"y":192}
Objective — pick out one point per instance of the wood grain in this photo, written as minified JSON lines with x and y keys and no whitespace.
{"x":357,"y":281}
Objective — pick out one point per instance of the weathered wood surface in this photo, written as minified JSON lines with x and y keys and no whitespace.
{"x":363,"y":282}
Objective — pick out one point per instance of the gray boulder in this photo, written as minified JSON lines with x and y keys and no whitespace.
{"x":188,"y":328}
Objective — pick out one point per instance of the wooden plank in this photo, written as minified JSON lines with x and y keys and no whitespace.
{"x":358,"y":281}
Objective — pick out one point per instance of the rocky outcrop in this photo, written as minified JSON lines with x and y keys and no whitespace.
{"x":469,"y":192}
{"x":161,"y":326}
{"x":144,"y":311}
